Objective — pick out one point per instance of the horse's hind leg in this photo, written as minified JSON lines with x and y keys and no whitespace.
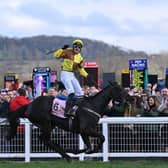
{"x":12,"y":129}
{"x":46,"y":138}
{"x":13,"y":118}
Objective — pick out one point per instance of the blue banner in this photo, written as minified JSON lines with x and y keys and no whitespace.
{"x":166,"y":71}
{"x":138,"y":64}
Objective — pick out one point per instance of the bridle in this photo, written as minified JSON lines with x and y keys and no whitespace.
{"x":91,"y":111}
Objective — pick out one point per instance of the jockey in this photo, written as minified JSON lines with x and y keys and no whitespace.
{"x":62,"y":94}
{"x":72,"y":61}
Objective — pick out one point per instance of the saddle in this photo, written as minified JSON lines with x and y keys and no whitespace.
{"x":58,"y":107}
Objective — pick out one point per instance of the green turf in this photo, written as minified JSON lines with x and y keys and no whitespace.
{"x":85,"y":164}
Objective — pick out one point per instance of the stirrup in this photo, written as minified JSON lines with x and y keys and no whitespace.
{"x":71,"y":112}
{"x":68,"y":113}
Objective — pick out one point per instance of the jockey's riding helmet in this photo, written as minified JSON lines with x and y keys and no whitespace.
{"x":78,"y":41}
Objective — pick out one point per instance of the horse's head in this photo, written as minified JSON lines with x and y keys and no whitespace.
{"x":120,"y":94}
{"x":116,"y":91}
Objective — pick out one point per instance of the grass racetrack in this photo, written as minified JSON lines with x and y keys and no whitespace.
{"x":85,"y":164}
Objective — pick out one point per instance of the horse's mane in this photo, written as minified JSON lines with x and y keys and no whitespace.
{"x":91,"y":97}
{"x":100,"y":100}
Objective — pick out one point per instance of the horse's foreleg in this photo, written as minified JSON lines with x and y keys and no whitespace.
{"x":101,"y":139}
{"x":86,"y":142}
{"x":94,"y":133}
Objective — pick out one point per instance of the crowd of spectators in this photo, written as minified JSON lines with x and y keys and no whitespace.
{"x":153,"y":102}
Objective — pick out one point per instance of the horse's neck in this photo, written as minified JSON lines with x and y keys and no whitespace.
{"x":101,"y":100}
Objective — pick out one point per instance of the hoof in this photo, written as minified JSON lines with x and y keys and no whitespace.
{"x":68,"y":159}
{"x":89,"y":151}
{"x":70,"y":115}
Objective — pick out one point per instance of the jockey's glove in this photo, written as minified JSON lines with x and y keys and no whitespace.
{"x":65,"y":46}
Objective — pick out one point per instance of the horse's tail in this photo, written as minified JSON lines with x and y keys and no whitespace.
{"x":13,"y":119}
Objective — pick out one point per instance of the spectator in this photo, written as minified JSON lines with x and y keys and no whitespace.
{"x":148,"y":89}
{"x":44,"y":92}
{"x":114,"y":109}
{"x":52,"y":92}
{"x":164,"y":95}
{"x":151,"y":132}
{"x":11,"y":94}
{"x":63,"y":95}
{"x":19,"y":101}
{"x":154,"y":90}
{"x":163,"y":108}
{"x":64,"y":92}
{"x":149,"y":108}
{"x":144,"y":99}
{"x":4,"y":107}
{"x":93,"y":90}
{"x":163,"y":112}
{"x":86,"y":90}
{"x":29,"y":92}
{"x":4,"y":104}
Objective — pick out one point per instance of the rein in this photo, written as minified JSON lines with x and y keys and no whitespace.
{"x":92,"y":111}
{"x":106,"y":98}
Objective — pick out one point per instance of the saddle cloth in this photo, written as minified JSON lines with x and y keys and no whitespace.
{"x":58,"y":107}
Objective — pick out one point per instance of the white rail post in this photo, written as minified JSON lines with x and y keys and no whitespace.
{"x":105,"y":144}
{"x":81,"y":146}
{"x":27,"y":141}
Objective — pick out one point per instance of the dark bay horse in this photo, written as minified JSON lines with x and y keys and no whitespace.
{"x":88,"y":114}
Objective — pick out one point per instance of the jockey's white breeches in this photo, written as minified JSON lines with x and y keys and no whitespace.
{"x":71,"y":84}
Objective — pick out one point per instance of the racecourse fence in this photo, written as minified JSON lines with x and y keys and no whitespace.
{"x":124,"y":137}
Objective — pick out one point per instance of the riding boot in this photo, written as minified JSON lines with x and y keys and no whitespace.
{"x":69,"y":105}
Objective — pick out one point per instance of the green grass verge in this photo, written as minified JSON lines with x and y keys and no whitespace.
{"x":85,"y":164}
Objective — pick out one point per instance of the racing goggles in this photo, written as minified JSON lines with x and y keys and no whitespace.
{"x":77,"y":46}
